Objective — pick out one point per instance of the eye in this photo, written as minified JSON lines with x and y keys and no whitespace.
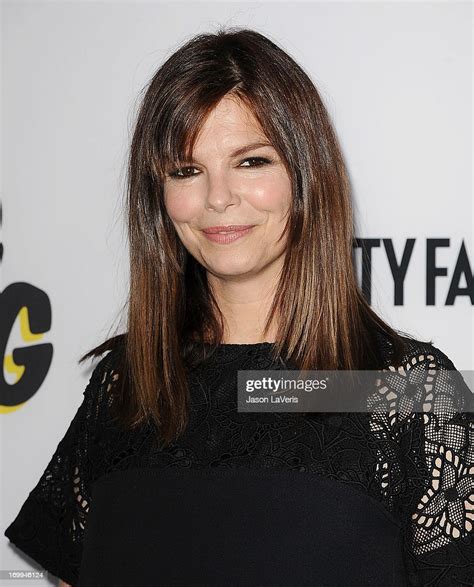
{"x":183,"y":172}
{"x":260,"y":161}
{"x":176,"y":173}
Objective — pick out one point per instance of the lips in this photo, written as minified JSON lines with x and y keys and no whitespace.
{"x":227,"y":229}
{"x":224,"y":235}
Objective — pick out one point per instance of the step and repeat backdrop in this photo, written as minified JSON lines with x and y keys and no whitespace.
{"x":396,"y":78}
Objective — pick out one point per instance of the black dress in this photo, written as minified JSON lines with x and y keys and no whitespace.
{"x":275,"y":498}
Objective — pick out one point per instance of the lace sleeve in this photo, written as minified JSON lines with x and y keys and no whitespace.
{"x":50,"y":524}
{"x":433,"y":427}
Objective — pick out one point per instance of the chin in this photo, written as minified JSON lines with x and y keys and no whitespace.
{"x":231,"y":269}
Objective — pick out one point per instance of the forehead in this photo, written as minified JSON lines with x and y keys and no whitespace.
{"x":232,"y":108}
{"x":228,"y":125}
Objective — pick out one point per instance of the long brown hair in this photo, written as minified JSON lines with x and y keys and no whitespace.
{"x":324,"y":321}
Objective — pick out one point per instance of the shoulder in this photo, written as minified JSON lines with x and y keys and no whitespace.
{"x":414,"y":351}
{"x":417,"y":350}
{"x":423,"y":382}
{"x":108,"y":357}
{"x":102,"y":387}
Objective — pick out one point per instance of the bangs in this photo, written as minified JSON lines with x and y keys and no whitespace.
{"x":174,"y":142}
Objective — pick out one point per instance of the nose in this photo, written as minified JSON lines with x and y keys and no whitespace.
{"x":220,"y":193}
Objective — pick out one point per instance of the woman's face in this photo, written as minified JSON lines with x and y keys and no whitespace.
{"x":221,"y":188}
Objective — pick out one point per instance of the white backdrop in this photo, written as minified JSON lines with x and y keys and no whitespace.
{"x":397,"y":80}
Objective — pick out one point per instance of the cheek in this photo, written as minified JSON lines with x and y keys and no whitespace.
{"x":273,"y":195}
{"x":181,"y":207}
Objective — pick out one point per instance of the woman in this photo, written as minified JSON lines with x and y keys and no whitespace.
{"x":240,"y":230}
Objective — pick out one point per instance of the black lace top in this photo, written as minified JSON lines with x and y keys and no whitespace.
{"x":271,"y":498}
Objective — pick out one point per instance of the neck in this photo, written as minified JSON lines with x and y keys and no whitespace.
{"x":244,"y":305}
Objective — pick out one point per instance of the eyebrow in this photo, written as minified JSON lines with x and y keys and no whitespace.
{"x":250,"y":147}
